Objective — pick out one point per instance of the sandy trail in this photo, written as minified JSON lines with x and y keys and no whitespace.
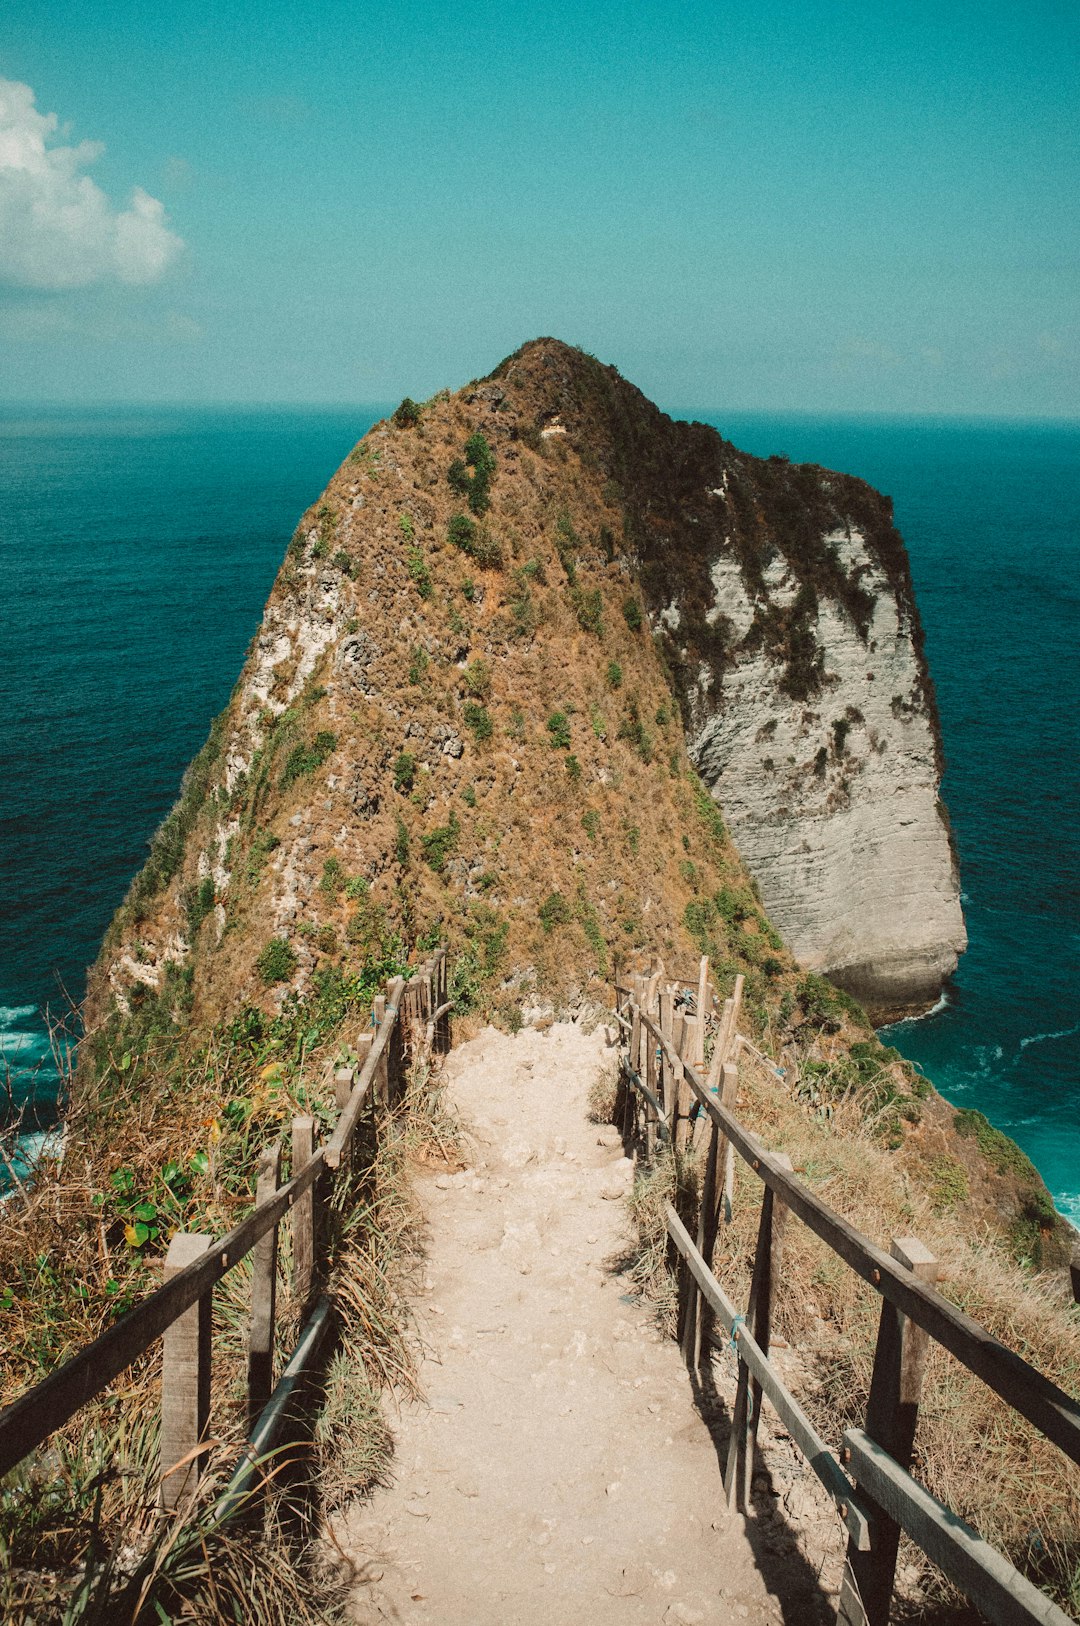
{"x":557,"y":1470}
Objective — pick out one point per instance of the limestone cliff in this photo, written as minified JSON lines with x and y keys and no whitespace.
{"x":476,"y":572}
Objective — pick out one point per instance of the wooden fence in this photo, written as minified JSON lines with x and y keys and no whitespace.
{"x":664,"y":1085}
{"x":409,"y":1016}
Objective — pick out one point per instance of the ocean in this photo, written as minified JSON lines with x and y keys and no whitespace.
{"x":137,"y":548}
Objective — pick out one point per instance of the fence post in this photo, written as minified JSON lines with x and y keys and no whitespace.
{"x":185,"y":1376}
{"x":381,"y":1081}
{"x":395,"y":1049}
{"x":712,"y":1197}
{"x":667,"y":1076}
{"x":689,"y":1045}
{"x":892,"y":1414}
{"x":651,"y":1081}
{"x":304,"y":1212}
{"x":744,"y":1419}
{"x":263,"y":1292}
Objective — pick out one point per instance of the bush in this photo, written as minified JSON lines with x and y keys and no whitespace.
{"x":588,"y":607}
{"x":405,"y":771}
{"x":333,"y":878}
{"x":401,"y":842}
{"x":407,"y":415}
{"x":343,"y":561}
{"x":573,"y":770}
{"x":591,"y":822}
{"x":277,"y":962}
{"x":475,"y":542}
{"x":197,"y":902}
{"x":476,"y":487}
{"x":304,"y":760}
{"x":996,"y":1147}
{"x":478,"y":679}
{"x":558,"y":726}
{"x":614,"y":675}
{"x":419,"y":574}
{"x":555,"y":911}
{"x":478,"y":719}
{"x":632,"y":612}
{"x":440,"y":843}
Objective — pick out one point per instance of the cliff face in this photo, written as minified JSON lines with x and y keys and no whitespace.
{"x":453,"y":714}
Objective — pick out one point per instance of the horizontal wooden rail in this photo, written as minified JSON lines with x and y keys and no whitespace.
{"x":1055,"y":1413}
{"x":27,"y":1422}
{"x":643,"y":1089}
{"x":787,"y":1408}
{"x":55,"y":1400}
{"x":979,"y":1570}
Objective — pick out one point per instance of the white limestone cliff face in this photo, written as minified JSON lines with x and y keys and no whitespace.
{"x":833,"y":800}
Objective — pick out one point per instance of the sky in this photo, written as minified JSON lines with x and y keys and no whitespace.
{"x":812,"y":206}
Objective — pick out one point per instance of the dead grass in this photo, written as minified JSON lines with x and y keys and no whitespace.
{"x":971,"y":1450}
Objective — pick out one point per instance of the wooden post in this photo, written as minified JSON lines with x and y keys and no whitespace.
{"x":712,"y":1198}
{"x":263,"y":1293}
{"x":667,"y":1076}
{"x":892,"y":1414}
{"x":344,"y":1078}
{"x":1074,"y":1271}
{"x":688,"y":1047}
{"x":185,"y":1376}
{"x":395,"y":1050}
{"x":303,"y":1214}
{"x":650,"y":1111}
{"x":382,"y":1070}
{"x":702,"y":984}
{"x":744,"y":1420}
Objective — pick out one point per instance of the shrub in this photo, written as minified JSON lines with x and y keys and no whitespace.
{"x":591,"y":822}
{"x":996,"y":1147}
{"x":558,"y":726}
{"x":197,"y":902}
{"x":632,"y":612}
{"x":567,"y":544}
{"x":333,"y":878}
{"x":555,"y":911}
{"x":634,"y":731}
{"x":401,"y":842}
{"x":614,"y":675}
{"x":468,"y":796}
{"x":343,"y":561}
{"x":475,"y":542}
{"x":405,"y":526}
{"x":304,"y":760}
{"x":407,"y":415}
{"x":468,"y":590}
{"x":277,"y":962}
{"x":478,"y":679}
{"x":419,"y":574}
{"x":418,"y":664}
{"x":405,"y":771}
{"x":478,"y":719}
{"x":588,"y":607}
{"x":440,"y":843}
{"x":573,"y":770}
{"x":476,"y":487}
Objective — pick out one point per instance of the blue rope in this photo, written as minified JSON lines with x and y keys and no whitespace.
{"x":739,"y":1321}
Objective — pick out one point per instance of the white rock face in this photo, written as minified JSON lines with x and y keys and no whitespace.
{"x":833,"y":801}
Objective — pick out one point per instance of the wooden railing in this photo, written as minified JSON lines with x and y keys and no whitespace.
{"x":410,"y":1015}
{"x":665,"y":1085}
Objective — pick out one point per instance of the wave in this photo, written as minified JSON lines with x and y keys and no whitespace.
{"x":944,"y":1003}
{"x":1043,"y":1038}
{"x":10,"y":1014}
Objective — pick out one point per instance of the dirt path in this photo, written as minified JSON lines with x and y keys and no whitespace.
{"x":557,"y":1471}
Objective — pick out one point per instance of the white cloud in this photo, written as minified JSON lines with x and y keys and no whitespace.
{"x":57,"y":227}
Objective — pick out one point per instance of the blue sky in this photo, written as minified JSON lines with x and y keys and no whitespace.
{"x":809,"y":206}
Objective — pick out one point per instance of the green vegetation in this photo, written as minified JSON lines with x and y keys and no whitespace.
{"x":475,"y":542}
{"x":614,"y":675}
{"x":169,"y":842}
{"x":197,"y":902}
{"x":405,"y":771}
{"x":418,"y":664}
{"x":590,"y":820}
{"x":477,"y":679}
{"x":632,"y":613}
{"x":406,"y":527}
{"x":277,"y":962}
{"x":440,"y":843}
{"x":633,"y":730}
{"x":401,"y":841}
{"x":573,"y":770}
{"x":476,"y":487}
{"x":333,"y":877}
{"x":567,"y":546}
{"x":419,"y":574}
{"x":588,"y":607}
{"x":558,"y":726}
{"x":478,"y":719}
{"x":407,"y":415}
{"x":305,"y":759}
{"x":263,"y":843}
{"x":1003,"y":1153}
{"x":948,"y":1182}
{"x":343,"y":561}
{"x":555,"y":911}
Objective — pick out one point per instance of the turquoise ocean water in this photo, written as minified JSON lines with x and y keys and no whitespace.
{"x":137,"y":548}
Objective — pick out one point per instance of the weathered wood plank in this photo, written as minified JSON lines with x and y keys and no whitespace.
{"x":26,"y":1422}
{"x":1029,"y":1391}
{"x":260,"y":1378}
{"x":984,"y":1576}
{"x":185,"y":1377}
{"x":821,"y":1459}
{"x":303,"y":1214}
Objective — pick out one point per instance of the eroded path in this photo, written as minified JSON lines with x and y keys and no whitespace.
{"x":557,"y":1470}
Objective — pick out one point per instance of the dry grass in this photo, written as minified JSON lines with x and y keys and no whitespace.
{"x":971,"y":1450}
